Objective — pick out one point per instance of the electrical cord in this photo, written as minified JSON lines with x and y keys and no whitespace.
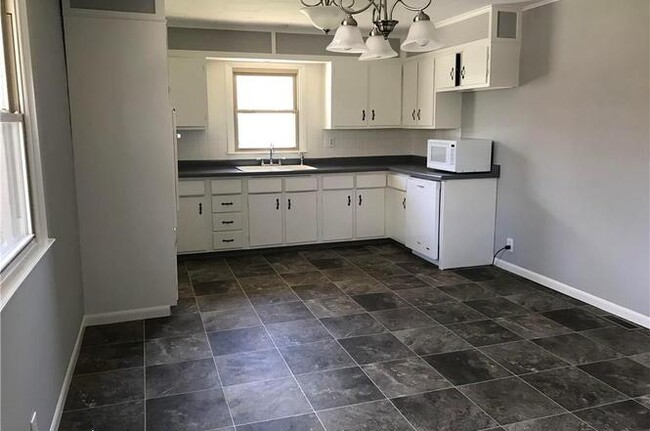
{"x":502,"y":249}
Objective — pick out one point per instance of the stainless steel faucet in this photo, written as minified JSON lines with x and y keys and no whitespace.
{"x":271,"y":154}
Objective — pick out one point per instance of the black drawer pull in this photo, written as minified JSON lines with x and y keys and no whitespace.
{"x":227,"y":204}
{"x":373,"y":115}
{"x":404,"y":203}
{"x":288,"y":204}
{"x":227,"y":222}
{"x":360,"y":200}
{"x":227,"y":240}
{"x":349,"y":200}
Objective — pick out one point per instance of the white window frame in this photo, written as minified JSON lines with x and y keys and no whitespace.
{"x":12,"y":277}
{"x":299,"y":70}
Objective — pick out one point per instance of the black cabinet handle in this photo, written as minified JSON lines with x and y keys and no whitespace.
{"x":200,"y":208}
{"x":227,"y":204}
{"x":360,"y":200}
{"x":413,"y":115}
{"x":288,"y":204}
{"x":363,"y":115}
{"x":404,"y":203}
{"x":373,"y":115}
{"x":418,"y":114}
{"x":277,"y":204}
{"x":227,"y":240}
{"x":452,"y":75}
{"x":227,"y":222}
{"x":349,"y":200}
{"x":462,"y":72}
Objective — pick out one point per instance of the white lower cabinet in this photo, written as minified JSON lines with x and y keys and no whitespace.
{"x":338,"y":215}
{"x":396,"y":214}
{"x":265,"y":219}
{"x":193,"y":218}
{"x":301,"y":217}
{"x":423,"y":217}
{"x":369,"y":220}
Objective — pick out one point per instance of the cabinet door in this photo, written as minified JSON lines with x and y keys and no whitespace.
{"x":301,"y":220}
{"x":338,"y":214}
{"x":396,"y":214}
{"x":384,"y":93}
{"x":188,"y":91}
{"x":445,"y":71}
{"x":424,"y":113}
{"x":349,"y":93}
{"x":370,"y":216}
{"x":265,"y":219}
{"x":474,"y":65}
{"x":193,"y":231}
{"x":422,"y":216}
{"x":409,"y":92}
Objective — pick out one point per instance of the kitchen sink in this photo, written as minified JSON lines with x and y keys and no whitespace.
{"x":275,"y":168}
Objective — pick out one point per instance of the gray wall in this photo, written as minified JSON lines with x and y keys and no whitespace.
{"x":573,"y":141}
{"x":40,"y":323}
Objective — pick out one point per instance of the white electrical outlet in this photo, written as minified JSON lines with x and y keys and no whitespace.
{"x":332,"y":142}
{"x":511,"y":243}
{"x":33,"y":423}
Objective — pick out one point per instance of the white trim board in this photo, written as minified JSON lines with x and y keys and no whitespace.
{"x":126,"y":316}
{"x":538,"y":4}
{"x":610,"y":307}
{"x":63,"y":394}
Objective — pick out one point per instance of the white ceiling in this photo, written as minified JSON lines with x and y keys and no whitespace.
{"x":285,"y":13}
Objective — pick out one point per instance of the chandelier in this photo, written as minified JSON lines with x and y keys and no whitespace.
{"x":327,"y":15}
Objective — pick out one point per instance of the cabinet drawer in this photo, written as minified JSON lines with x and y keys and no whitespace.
{"x":191,"y":188}
{"x":300,"y":184}
{"x":338,"y":182}
{"x":368,"y":181}
{"x":398,"y":182}
{"x":226,"y":222}
{"x":265,"y":185}
{"x":225,"y":187}
{"x":225,"y":240}
{"x":226,"y":203}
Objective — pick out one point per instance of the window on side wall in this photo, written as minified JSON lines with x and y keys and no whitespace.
{"x":16,"y":227}
{"x":265,"y":109}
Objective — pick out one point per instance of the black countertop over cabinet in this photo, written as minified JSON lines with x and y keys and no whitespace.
{"x":409,"y":165}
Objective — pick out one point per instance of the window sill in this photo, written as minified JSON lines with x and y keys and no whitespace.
{"x":11,"y":282}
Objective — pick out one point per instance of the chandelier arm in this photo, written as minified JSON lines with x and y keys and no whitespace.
{"x":317,"y":3}
{"x":409,"y":7}
{"x":371,"y":3}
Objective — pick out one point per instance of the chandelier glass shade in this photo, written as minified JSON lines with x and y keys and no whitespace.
{"x":378,"y":47}
{"x":323,"y":14}
{"x":347,"y":38}
{"x":325,"y":18}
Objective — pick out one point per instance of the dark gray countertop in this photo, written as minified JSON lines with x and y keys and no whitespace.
{"x":408,"y":165}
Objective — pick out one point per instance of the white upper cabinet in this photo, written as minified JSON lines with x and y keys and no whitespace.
{"x":422,"y":107}
{"x":384,"y":93}
{"x":474,"y":67}
{"x":188,"y":92}
{"x":364,"y":95}
{"x":446,"y":71}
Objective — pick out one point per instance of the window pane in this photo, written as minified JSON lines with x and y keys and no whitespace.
{"x":262,"y":130}
{"x":265,"y":92}
{"x":15,"y":217}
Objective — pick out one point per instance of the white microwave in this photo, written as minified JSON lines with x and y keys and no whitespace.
{"x":463,"y":155}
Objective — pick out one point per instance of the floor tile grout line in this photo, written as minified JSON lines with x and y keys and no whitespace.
{"x":144,"y":375}
{"x":474,"y":347}
{"x":277,"y":349}
{"x":214,"y":361}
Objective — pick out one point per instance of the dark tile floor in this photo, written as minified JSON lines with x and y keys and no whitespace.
{"x":361,"y":338}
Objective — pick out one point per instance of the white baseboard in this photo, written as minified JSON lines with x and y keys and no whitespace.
{"x":127,"y":315}
{"x":58,"y":411}
{"x":610,"y":307}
